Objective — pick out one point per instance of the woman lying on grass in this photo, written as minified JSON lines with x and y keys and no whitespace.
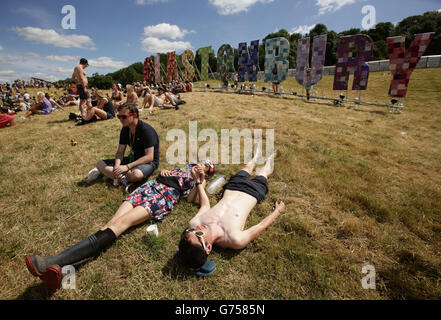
{"x":153,"y":200}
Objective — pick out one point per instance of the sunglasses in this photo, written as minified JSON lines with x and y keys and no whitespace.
{"x":199,"y":234}
{"x":125,"y":116}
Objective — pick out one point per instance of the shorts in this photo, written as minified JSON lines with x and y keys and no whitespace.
{"x":309,"y":87}
{"x":158,"y":102}
{"x":156,"y":198}
{"x":46,"y":111}
{"x":82,"y":94}
{"x":146,"y":169}
{"x":257,"y":187}
{"x":110,"y":116}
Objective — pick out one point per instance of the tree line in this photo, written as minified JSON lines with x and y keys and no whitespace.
{"x":408,"y":27}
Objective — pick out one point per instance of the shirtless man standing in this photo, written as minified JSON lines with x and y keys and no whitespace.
{"x":223,"y":225}
{"x":80,"y":78}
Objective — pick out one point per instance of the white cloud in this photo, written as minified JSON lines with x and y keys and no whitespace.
{"x":6,"y":72}
{"x":32,"y":54}
{"x":1,"y":48}
{"x":50,"y":36}
{"x":439,"y":10}
{"x":227,"y":7}
{"x":155,"y":45}
{"x":141,"y":2}
{"x":303,"y":29}
{"x":330,"y":6}
{"x":165,"y":30}
{"x":62,"y":58}
{"x":106,"y":63}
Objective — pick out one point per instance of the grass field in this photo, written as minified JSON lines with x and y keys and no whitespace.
{"x":362,"y":187}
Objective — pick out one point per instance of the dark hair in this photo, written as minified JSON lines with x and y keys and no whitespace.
{"x":133,"y":108}
{"x":191,"y":256}
{"x":84,"y":61}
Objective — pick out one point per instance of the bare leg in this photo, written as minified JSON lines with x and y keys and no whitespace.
{"x":268,"y":169}
{"x":134,"y":176}
{"x":249,"y":167}
{"x":123,"y":209}
{"x":105,"y":169}
{"x":131,"y":218}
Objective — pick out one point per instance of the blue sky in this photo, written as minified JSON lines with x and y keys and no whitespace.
{"x":114,"y":34}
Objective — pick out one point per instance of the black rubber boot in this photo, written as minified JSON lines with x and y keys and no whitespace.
{"x":75,"y":255}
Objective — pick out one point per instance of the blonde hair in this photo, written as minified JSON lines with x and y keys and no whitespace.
{"x":130,"y":88}
{"x":97,"y":94}
{"x":40,"y":96}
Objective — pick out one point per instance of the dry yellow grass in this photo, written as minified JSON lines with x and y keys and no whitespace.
{"x":357,"y":191}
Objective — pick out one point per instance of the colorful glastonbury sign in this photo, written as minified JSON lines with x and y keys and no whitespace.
{"x":276,"y":59}
{"x":346,"y":61}
{"x":403,"y":63}
{"x":248,"y":62}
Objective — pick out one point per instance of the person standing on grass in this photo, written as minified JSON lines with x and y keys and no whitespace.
{"x":153,"y":200}
{"x":144,"y":154}
{"x":80,"y":79}
{"x":223,"y":225}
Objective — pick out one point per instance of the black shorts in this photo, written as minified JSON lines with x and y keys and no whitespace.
{"x":82,"y":94}
{"x":257,"y":187}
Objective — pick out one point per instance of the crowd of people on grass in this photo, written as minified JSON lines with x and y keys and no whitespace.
{"x":221,"y":225}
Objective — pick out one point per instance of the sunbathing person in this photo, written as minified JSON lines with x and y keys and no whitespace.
{"x":117,"y":96}
{"x":154,"y":200}
{"x":223,"y":225}
{"x":132,"y":97}
{"x":43,"y":106}
{"x":163,"y":100}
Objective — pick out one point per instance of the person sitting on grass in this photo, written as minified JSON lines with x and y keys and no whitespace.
{"x":154,"y":200}
{"x":54,"y":103}
{"x":223,"y":225}
{"x":163,"y":100}
{"x":132,"y":97}
{"x":104,"y":109}
{"x":144,"y":154}
{"x":117,"y":96}
{"x":5,"y":119}
{"x":43,"y":106}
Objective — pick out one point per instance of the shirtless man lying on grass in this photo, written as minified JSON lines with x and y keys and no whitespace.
{"x":223,"y":225}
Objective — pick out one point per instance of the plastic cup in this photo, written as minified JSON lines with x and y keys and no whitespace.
{"x":153,"y":230}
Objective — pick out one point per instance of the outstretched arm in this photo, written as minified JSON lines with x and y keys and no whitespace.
{"x":247,"y":236}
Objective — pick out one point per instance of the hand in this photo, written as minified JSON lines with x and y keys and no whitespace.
{"x":165,"y":173}
{"x":201,"y":174}
{"x":280,"y":206}
{"x":118,"y":171}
